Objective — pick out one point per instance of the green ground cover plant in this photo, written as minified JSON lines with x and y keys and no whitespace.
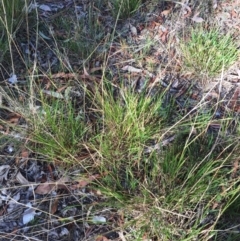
{"x":12,"y":14}
{"x":167,"y":167}
{"x":58,"y":125}
{"x":208,"y":52}
{"x":127,"y":124}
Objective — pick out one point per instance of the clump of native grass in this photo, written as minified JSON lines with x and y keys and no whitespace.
{"x":176,"y":192}
{"x":170,"y":192}
{"x":207,"y":52}
{"x":12,"y":14}
{"x":128,"y":120}
{"x":57,"y":130}
{"x":182,"y":191}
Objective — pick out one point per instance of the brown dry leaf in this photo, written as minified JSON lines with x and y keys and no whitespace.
{"x":3,"y":210}
{"x":48,"y":84}
{"x":64,"y":75}
{"x":164,"y":37}
{"x":187,"y":10}
{"x":212,"y":95}
{"x":237,"y":109}
{"x":233,"y":101}
{"x":195,"y":95}
{"x":92,"y":70}
{"x":13,"y":118}
{"x":152,"y":25}
{"x":45,"y":188}
{"x":22,"y":180}
{"x":163,"y":34}
{"x":49,"y":167}
{"x":233,"y":14}
{"x":92,"y":78}
{"x":235,"y":168}
{"x":84,"y":182}
{"x":166,"y":12}
{"x":24,"y":153}
{"x":215,"y":205}
{"x":101,"y":238}
{"x":54,"y":206}
{"x":62,"y":88}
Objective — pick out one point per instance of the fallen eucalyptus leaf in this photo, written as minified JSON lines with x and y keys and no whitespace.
{"x":22,"y":180}
{"x":45,"y":7}
{"x":98,"y":219}
{"x":83,"y":182}
{"x":197,"y":19}
{"x":53,"y":94}
{"x":64,"y":232}
{"x":44,"y":36}
{"x":45,"y":188}
{"x":4,"y":169}
{"x":131,"y":69}
{"x":28,"y":214}
{"x":133,"y":30}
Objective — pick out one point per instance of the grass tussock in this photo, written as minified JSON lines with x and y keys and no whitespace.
{"x":127,"y":123}
{"x":12,"y":15}
{"x":207,"y":52}
{"x":58,"y":125}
